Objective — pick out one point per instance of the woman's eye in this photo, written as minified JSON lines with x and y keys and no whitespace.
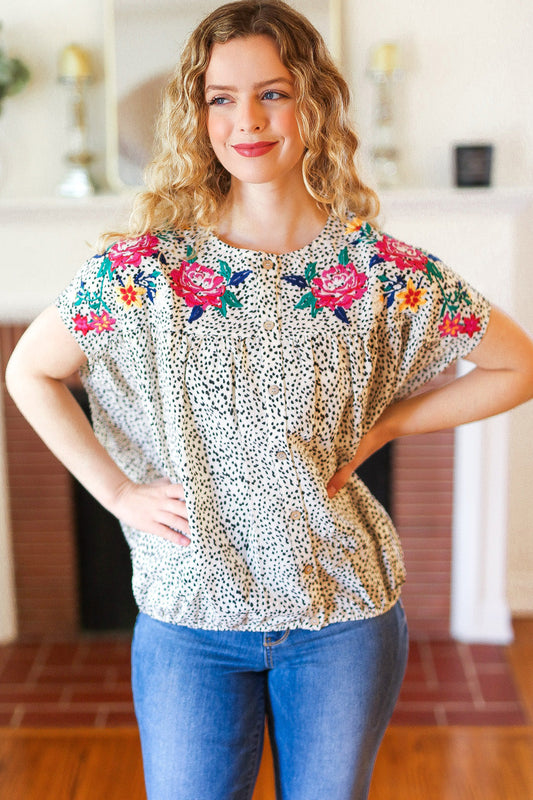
{"x":218,"y":101}
{"x":272,"y":95}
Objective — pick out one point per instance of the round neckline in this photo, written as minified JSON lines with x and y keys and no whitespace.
{"x":212,"y":237}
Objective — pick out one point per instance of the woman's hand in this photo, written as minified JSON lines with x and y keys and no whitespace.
{"x":157,"y":508}
{"x":369,"y":444}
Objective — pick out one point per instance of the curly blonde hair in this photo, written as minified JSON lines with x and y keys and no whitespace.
{"x":185,"y":182}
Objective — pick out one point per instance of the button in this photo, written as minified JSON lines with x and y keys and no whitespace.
{"x":268,"y":263}
{"x":273,"y":389}
{"x":281,"y":456}
{"x":268,"y":325}
{"x":295,"y":514}
{"x":308,"y":569}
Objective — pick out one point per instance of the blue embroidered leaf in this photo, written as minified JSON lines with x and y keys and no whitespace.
{"x":310,"y":272}
{"x":160,"y":257}
{"x":307,"y":301}
{"x":390,"y":299}
{"x":196,"y":313}
{"x":239,"y":277}
{"x":341,"y":314}
{"x":376,"y":260}
{"x":231,"y":300}
{"x":191,"y":254}
{"x":344,"y":258}
{"x":296,"y":280}
{"x":224,"y":269}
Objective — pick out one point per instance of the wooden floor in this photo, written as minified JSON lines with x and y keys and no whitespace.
{"x":423,"y":763}
{"x":414,"y":763}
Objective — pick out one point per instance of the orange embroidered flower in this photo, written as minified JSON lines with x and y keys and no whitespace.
{"x":130,"y":295}
{"x":411,"y":297}
{"x":353,"y":225}
{"x":450,"y":326}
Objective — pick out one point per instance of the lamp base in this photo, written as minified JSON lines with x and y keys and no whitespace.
{"x":77,"y":183}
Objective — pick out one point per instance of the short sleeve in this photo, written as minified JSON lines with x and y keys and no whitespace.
{"x":435,"y":317}
{"x":105,"y":298}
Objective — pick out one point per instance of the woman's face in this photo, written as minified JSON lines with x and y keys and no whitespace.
{"x":251,"y":117}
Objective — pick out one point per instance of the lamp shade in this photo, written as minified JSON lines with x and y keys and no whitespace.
{"x":74,"y":63}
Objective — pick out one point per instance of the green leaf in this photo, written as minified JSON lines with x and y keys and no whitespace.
{"x":310,"y":271}
{"x":231,"y":300}
{"x":343,"y":257}
{"x":224,"y":270}
{"x":191,"y":254}
{"x":223,"y":307}
{"x":307,"y":301}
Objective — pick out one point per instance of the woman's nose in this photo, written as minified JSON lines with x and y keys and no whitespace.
{"x":251,"y":117}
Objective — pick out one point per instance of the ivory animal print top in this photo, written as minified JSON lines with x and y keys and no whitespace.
{"x":250,"y":378}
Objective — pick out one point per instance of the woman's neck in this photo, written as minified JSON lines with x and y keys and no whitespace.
{"x":258,"y":218}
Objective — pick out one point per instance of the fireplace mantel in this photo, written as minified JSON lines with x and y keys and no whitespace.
{"x":480,"y":233}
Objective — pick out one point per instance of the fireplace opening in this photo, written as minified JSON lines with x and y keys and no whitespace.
{"x":103,"y":560}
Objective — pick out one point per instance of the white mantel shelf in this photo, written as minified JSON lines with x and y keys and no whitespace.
{"x":482,"y":233}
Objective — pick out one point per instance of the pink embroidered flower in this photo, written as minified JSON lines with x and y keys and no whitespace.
{"x":449,"y":326}
{"x":404,"y":255}
{"x":471,"y":325}
{"x":339,"y":286}
{"x":102,"y":322}
{"x":128,"y":253}
{"x":82,"y":324}
{"x":198,"y":285}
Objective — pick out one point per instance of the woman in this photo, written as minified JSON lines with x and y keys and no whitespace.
{"x":248,"y":344}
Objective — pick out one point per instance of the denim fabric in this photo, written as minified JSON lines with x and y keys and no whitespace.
{"x":201,"y":699}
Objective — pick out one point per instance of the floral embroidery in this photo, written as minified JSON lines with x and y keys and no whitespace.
{"x":364,"y":231}
{"x":404,"y":255}
{"x":471,"y":325}
{"x":129,"y":252}
{"x":412,"y":297}
{"x":82,"y":324}
{"x":102,"y":322}
{"x":450,"y":326}
{"x":129,"y":292}
{"x":335,"y":288}
{"x":201,"y":286}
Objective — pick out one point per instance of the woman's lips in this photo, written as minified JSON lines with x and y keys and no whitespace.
{"x":254,"y":149}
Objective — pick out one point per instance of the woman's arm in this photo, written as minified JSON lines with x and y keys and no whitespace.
{"x":502,"y":379}
{"x":45,"y":356}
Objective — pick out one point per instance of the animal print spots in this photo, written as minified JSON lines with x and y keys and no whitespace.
{"x":250,"y":378}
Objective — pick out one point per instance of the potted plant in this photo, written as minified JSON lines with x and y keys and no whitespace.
{"x":14,"y":75}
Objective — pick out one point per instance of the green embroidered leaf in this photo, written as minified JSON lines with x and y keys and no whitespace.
{"x":105,"y":270}
{"x":231,"y":300}
{"x":223,"y":308}
{"x":310,"y":271}
{"x":344,"y":257}
{"x":306,"y":301}
{"x":191,"y":254}
{"x":432,"y":270}
{"x":225,"y":270}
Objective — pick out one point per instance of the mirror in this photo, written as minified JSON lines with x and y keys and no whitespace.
{"x":144,"y":40}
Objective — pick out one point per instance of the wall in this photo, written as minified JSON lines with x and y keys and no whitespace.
{"x":467,"y":76}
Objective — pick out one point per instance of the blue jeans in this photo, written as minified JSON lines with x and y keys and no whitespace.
{"x":202,"y":697}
